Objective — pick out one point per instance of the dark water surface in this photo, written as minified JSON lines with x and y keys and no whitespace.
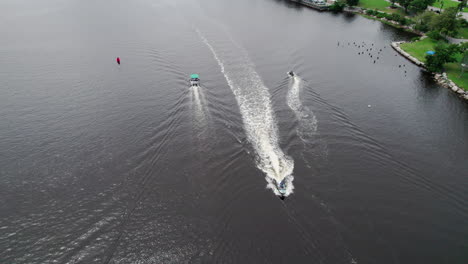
{"x":101,"y":163}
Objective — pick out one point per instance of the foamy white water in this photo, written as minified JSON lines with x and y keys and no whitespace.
{"x":306,"y":118}
{"x":254,"y":103}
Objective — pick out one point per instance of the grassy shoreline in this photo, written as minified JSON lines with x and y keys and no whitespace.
{"x":418,"y":50}
{"x":384,"y":6}
{"x":388,"y":23}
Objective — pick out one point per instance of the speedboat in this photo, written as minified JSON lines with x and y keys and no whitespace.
{"x":194,"y":80}
{"x":291,"y":73}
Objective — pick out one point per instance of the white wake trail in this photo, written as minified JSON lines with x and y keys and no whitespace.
{"x":200,"y":111}
{"x":307,"y":119}
{"x":254,"y":103}
{"x":199,"y":106}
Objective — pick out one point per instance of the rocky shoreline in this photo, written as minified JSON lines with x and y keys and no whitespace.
{"x":442,"y":79}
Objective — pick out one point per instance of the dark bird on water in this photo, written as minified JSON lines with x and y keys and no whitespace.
{"x":399,"y":66}
{"x":374,"y":61}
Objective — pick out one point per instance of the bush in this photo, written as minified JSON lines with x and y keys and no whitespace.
{"x":395,"y":17}
{"x":406,"y":21}
{"x":434,"y":35}
{"x":421,"y":27}
{"x":380,"y":15}
{"x":370,"y":12}
{"x":352,"y":2}
{"x":338,"y":6}
{"x":463,"y":23}
{"x":415,"y":39}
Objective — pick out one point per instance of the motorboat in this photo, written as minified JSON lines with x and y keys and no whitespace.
{"x":282,"y":188}
{"x":194,"y":80}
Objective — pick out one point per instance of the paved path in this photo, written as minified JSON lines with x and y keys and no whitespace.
{"x":456,"y":41}
{"x":397,"y":4}
{"x":433,"y":8}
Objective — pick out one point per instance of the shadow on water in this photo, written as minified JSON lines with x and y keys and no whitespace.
{"x":349,"y":17}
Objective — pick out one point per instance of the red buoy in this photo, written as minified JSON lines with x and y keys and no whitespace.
{"x":118,"y":60}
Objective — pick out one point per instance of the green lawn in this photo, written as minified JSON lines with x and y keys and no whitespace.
{"x":447,"y":3}
{"x":381,"y":5}
{"x":463,"y":33}
{"x":374,"y":4}
{"x":453,"y":72}
{"x":418,"y":50}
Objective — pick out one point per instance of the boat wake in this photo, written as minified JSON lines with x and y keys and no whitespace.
{"x":306,"y":118}
{"x":201,"y":114}
{"x":198,"y":103}
{"x":254,"y":103}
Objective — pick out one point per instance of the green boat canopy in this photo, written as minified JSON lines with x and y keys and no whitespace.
{"x":194,"y":76}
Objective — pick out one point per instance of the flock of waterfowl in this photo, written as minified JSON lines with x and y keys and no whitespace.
{"x":368,"y":49}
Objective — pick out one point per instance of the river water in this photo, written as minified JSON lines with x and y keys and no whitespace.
{"x":102,"y":163}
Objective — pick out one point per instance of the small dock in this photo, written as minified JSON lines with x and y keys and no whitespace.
{"x":315,"y":4}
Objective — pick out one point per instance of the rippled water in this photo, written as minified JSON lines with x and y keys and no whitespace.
{"x":102,"y":163}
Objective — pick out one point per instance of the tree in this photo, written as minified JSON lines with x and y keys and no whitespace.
{"x":393,"y":3}
{"x":418,"y":5}
{"x":352,"y":2}
{"x":463,"y":47}
{"x":446,"y":23}
{"x":443,"y":54}
{"x":462,"y":5}
{"x":405,"y":4}
{"x":423,"y":22}
{"x":338,"y":6}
